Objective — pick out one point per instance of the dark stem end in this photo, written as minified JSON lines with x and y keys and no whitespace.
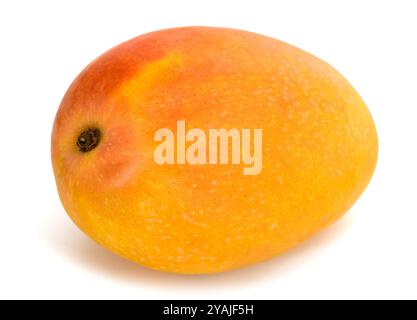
{"x":89,"y":140}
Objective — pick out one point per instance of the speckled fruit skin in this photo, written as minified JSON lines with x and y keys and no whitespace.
{"x":319,"y":149}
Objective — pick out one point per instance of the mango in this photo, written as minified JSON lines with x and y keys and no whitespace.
{"x":200,"y":150}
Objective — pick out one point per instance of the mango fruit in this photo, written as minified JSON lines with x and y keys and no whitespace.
{"x":158,"y":198}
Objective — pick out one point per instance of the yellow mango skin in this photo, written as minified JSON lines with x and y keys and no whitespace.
{"x":319,"y":149}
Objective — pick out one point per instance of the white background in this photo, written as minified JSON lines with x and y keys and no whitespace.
{"x":370,"y":253}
